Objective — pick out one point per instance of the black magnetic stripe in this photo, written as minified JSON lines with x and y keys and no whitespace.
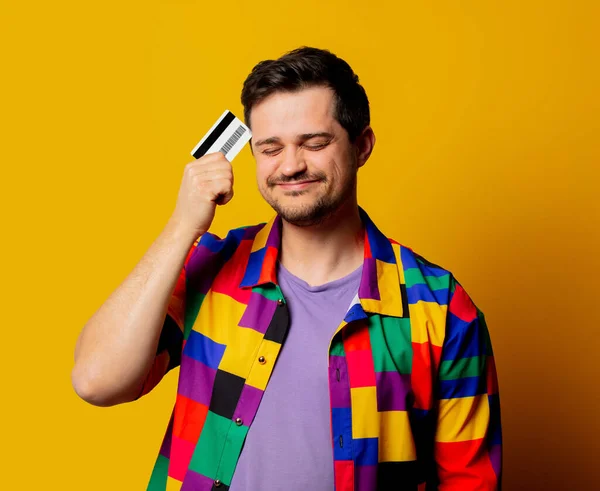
{"x":214,"y":136}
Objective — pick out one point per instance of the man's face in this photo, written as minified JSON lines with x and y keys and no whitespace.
{"x":306,"y":166}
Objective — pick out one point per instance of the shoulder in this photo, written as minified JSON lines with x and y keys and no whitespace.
{"x":211,"y":248}
{"x":428,"y":281}
{"x":210,"y":253}
{"x":424,"y":279}
{"x":212,"y":244}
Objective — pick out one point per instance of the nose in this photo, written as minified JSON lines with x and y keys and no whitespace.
{"x":292,"y":162}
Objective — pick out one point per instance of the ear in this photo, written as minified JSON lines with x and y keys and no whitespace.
{"x":364,"y":145}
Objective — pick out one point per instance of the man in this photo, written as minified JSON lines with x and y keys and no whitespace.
{"x":315,"y":353}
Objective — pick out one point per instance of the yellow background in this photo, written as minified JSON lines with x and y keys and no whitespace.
{"x":487,"y":155}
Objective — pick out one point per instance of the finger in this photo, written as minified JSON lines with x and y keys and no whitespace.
{"x":225,"y":198}
{"x":220,"y":187}
{"x":207,"y":167}
{"x":213,"y":157}
{"x":212,"y":174}
{"x":208,"y":158}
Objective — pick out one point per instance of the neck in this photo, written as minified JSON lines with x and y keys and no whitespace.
{"x":325,"y":252}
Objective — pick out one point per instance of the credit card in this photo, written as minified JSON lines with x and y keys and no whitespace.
{"x":228,"y":136}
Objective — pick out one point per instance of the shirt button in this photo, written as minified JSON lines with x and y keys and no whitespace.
{"x":238,"y":421}
{"x":280,"y":301}
{"x":217,"y":484}
{"x":261,"y":360}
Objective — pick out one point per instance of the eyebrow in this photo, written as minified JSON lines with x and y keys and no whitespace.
{"x":302,"y":137}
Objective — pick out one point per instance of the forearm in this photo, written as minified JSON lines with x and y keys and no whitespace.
{"x":468,"y":435}
{"x":116,"y":348}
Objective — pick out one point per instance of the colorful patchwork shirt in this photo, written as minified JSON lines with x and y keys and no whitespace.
{"x":412,"y":380}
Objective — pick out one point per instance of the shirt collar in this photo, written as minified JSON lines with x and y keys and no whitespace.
{"x":379,"y":291}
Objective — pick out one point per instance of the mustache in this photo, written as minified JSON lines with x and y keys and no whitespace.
{"x":301,"y":177}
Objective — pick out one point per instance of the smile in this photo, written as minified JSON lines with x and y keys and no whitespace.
{"x":294,"y":186}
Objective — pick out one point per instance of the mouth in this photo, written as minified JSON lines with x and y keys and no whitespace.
{"x":296,"y":186}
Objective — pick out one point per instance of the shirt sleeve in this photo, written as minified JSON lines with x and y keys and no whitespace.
{"x":468,"y":441}
{"x":170,"y":344}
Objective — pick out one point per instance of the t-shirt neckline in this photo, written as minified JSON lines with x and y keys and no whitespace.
{"x":331,"y":285}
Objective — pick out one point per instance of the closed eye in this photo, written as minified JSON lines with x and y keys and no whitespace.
{"x":316,"y":146}
{"x":271,"y":151}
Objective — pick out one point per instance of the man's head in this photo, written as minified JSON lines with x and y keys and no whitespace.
{"x":310,"y":122}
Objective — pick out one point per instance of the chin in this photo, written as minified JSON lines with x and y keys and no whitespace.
{"x":304,"y":214}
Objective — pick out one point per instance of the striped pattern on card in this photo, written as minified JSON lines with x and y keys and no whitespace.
{"x":228,"y":136}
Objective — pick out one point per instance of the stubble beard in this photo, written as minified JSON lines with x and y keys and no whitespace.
{"x":315,"y":213}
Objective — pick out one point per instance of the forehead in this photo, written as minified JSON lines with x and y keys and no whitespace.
{"x":287,"y":114}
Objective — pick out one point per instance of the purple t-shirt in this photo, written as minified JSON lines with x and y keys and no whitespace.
{"x":288,"y":446}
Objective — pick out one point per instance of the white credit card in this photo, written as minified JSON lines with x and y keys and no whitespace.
{"x":228,"y":136}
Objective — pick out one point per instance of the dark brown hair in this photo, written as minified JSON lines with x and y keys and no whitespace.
{"x":308,"y":67}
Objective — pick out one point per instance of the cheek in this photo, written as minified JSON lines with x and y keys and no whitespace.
{"x":344,"y":167}
{"x":337,"y":172}
{"x":336,"y":163}
{"x":323,"y":163}
{"x":264,"y":170}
